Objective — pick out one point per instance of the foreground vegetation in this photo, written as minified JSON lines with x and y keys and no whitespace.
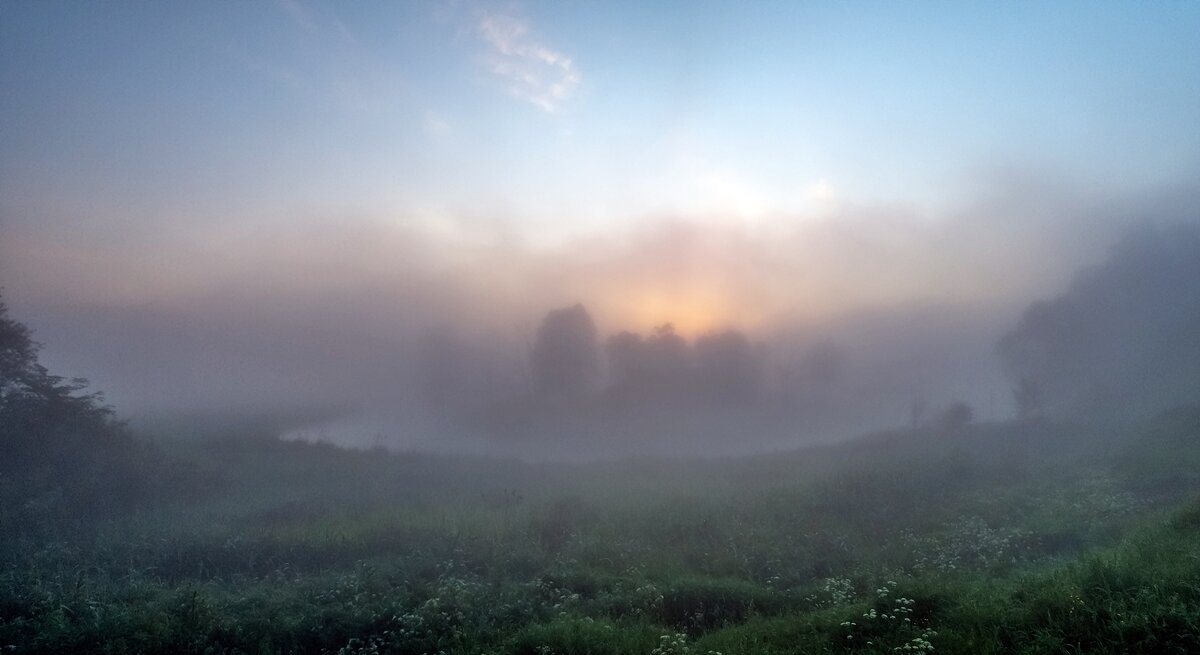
{"x":1031,"y":537}
{"x":1025,"y":537}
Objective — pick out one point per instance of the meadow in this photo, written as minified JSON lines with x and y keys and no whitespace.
{"x":1019,"y":537}
{"x":519,"y":327}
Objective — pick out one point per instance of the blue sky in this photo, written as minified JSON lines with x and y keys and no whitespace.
{"x":567,"y":118}
{"x":826,"y":156}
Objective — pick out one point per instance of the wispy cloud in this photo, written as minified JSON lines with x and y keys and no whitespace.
{"x":533,"y":72}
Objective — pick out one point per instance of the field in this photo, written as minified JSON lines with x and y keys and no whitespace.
{"x":1020,"y":537}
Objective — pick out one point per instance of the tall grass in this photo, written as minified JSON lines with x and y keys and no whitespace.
{"x":997,"y":539}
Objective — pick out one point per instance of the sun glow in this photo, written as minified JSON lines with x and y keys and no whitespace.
{"x":691,"y":312}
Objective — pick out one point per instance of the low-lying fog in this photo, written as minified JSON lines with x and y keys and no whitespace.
{"x":581,"y":230}
{"x":684,"y":337}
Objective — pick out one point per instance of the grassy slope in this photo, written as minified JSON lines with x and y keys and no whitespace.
{"x":1004,"y":538}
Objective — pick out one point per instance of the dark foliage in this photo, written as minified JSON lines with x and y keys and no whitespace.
{"x":63,"y":454}
{"x":1124,"y":338}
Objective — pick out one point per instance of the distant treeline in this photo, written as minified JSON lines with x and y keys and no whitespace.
{"x":568,"y":362}
{"x":1123,"y":339}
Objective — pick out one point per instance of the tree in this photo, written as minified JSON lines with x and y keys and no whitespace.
{"x":61,"y":450}
{"x":667,"y":363}
{"x":1123,"y":339}
{"x":626,"y":360}
{"x":30,"y":396}
{"x":652,"y":369}
{"x":18,"y":355}
{"x":728,"y":369}
{"x":564,"y":357}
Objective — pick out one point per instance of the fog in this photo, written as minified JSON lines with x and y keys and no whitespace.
{"x":1122,"y":340}
{"x":683,"y":336}
{"x":650,"y":328}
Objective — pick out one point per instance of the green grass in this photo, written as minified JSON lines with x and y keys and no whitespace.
{"x":1030,"y":538}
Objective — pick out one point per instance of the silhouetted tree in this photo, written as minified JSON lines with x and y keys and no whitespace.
{"x":32,"y":398}
{"x":18,"y":356}
{"x":1123,"y":338}
{"x":626,"y":360}
{"x":564,"y":357}
{"x":61,"y":450}
{"x":652,"y":369}
{"x":667,"y":362}
{"x":727,"y":367}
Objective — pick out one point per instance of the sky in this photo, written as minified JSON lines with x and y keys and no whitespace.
{"x":559,"y":119}
{"x":371,"y":168}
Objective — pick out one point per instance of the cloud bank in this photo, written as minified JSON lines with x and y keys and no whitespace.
{"x":341,"y":317}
